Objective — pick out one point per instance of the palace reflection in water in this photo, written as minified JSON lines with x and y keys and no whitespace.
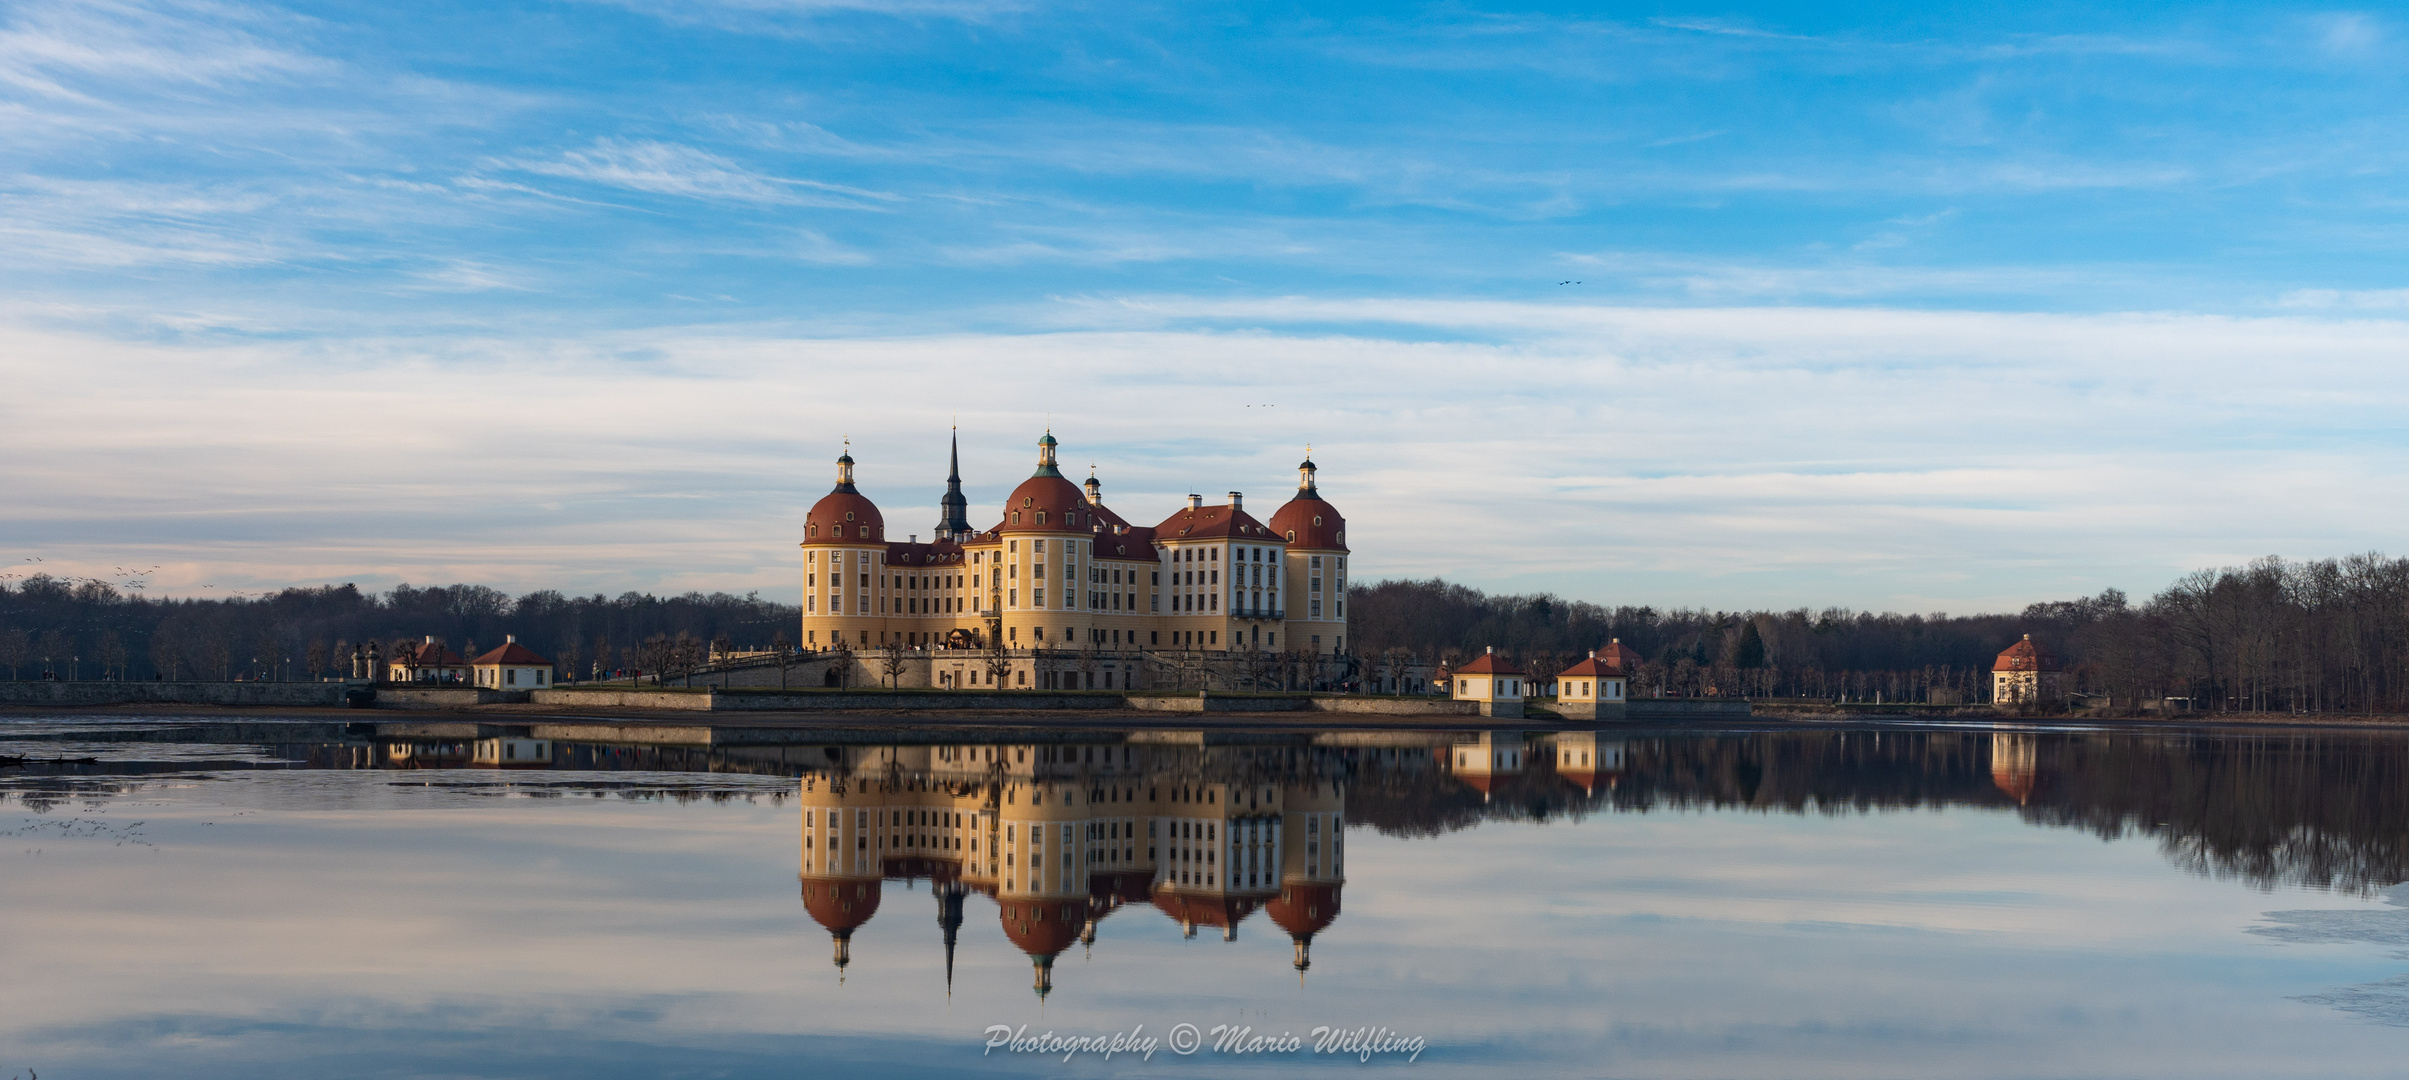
{"x":1064,"y":832}
{"x":1064,"y":836}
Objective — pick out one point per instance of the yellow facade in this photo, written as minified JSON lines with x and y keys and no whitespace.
{"x":1060,"y":570}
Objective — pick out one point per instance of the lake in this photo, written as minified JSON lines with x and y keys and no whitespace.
{"x":312,"y":899}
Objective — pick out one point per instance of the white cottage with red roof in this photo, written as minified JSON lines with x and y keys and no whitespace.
{"x":1597,"y":686}
{"x":1494,"y":681}
{"x":512,"y":667}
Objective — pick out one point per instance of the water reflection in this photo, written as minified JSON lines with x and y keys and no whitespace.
{"x":1732,"y":904}
{"x":1062,"y":837}
{"x":1207,"y":830}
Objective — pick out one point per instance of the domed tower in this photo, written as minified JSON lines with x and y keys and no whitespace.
{"x":839,"y":870}
{"x":1060,"y":550}
{"x":1304,"y":909}
{"x":1317,"y":565}
{"x":1043,"y":930}
{"x":844,"y":544}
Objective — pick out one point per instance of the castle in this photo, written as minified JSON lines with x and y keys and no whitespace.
{"x":1060,"y":570}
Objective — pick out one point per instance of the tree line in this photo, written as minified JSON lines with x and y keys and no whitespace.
{"x":2328,"y":635}
{"x":91,"y":630}
{"x":2321,"y":635}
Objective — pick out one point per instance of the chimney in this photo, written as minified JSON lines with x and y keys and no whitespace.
{"x":1234,"y":501}
{"x":1195,"y":502}
{"x":510,"y":639}
{"x":430,"y":639}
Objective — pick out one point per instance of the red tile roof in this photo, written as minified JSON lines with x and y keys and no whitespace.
{"x":2026,"y":656}
{"x":1615,"y":661}
{"x":1489,"y":663}
{"x":1213,"y":523}
{"x":514,"y":654}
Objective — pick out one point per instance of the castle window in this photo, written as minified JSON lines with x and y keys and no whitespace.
{"x":1041,"y":517}
{"x":848,"y":515}
{"x":1292,"y":535}
{"x":1317,"y":519}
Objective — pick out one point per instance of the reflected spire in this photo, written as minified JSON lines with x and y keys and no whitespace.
{"x":949,"y":918}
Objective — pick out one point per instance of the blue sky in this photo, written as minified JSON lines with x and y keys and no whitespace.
{"x":1913,"y":307}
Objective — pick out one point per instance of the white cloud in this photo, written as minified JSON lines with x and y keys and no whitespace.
{"x":1917,"y":460}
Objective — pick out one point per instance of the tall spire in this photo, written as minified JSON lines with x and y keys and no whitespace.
{"x":953,"y":511}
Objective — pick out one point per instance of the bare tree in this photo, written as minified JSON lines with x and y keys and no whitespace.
{"x":570,"y":660}
{"x":655,"y":655}
{"x":316,"y":657}
{"x":840,"y":659}
{"x":892,"y":660}
{"x":218,"y":652}
{"x":14,"y":647}
{"x":602,"y":654}
{"x":723,"y":648}
{"x":998,"y":661}
{"x":1393,"y":662}
{"x":55,"y":646}
{"x":112,"y":654}
{"x":783,"y":651}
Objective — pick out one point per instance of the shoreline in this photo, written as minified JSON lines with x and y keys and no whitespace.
{"x":1775,"y":718}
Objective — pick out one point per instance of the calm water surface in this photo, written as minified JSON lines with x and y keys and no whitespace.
{"x":204,"y":901}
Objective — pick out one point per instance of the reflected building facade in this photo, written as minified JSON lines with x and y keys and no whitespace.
{"x":1063,"y":836}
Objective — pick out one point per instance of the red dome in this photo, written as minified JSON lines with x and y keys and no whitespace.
{"x":1304,"y":909}
{"x":840,"y":905}
{"x":1059,"y":498}
{"x":1309,"y":521}
{"x":2025,"y":656}
{"x":844,"y":515}
{"x":1043,"y":927}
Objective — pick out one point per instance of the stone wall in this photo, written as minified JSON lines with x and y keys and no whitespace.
{"x":309,"y":694}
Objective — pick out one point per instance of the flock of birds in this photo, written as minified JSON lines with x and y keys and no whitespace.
{"x":132,"y":579}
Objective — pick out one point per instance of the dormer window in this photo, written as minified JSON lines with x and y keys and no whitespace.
{"x":848,"y":515}
{"x":1041,"y":517}
{"x":1317,"y":519}
{"x":1292,"y":536}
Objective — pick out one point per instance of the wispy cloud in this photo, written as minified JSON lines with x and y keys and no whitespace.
{"x":673,"y":169}
{"x":49,"y":48}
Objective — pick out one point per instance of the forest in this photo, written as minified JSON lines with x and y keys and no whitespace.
{"x":2328,"y":635}
{"x":90,"y":630}
{"x":2321,"y":635}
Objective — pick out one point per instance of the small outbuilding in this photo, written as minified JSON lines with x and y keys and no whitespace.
{"x":427,"y":663}
{"x":2026,"y":674}
{"x":512,"y":667}
{"x":1493,"y":681}
{"x":1598,"y":685}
